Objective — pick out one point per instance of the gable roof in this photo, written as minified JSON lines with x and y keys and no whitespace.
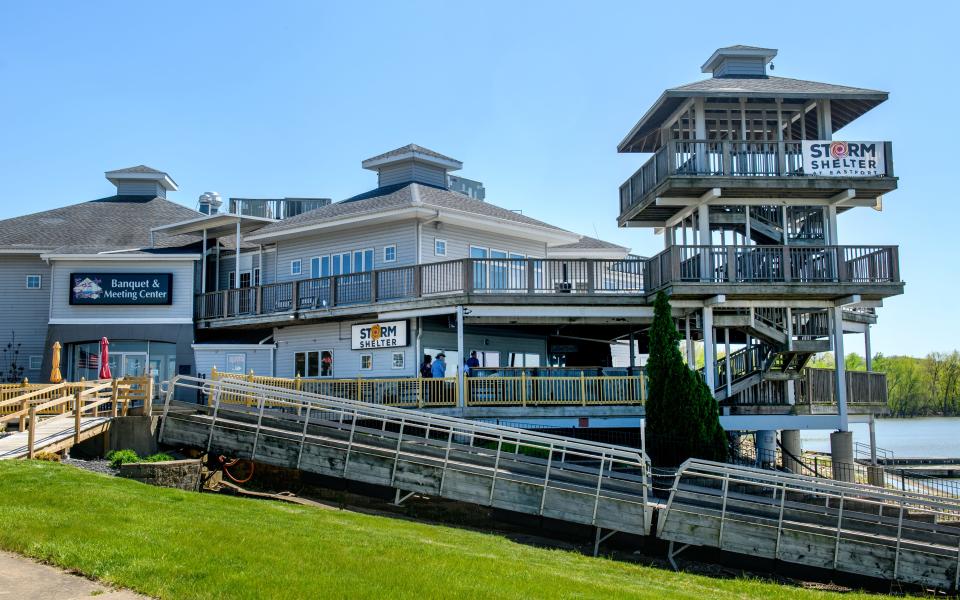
{"x":589,"y":243}
{"x":139,"y":169}
{"x":108,"y":224}
{"x":399,"y":197}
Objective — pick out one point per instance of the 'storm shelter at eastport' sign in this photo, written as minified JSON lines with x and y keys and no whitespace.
{"x":370,"y":336}
{"x":843,"y":159}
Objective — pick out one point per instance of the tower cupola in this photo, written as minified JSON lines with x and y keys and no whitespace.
{"x":739,"y":61}
{"x":141,"y":181}
{"x":412,"y":164}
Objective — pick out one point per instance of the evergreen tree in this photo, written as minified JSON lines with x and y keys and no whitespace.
{"x":682,"y":416}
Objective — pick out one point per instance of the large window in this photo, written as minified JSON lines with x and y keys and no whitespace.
{"x":313,"y":363}
{"x":520,"y":359}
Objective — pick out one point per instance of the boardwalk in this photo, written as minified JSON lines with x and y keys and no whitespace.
{"x":52,"y":435}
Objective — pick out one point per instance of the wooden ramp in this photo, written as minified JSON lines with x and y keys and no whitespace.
{"x":52,"y":435}
{"x":861,"y":529}
{"x":415,"y":452}
{"x":54,"y":417}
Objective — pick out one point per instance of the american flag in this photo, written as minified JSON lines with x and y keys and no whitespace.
{"x":89,"y":360}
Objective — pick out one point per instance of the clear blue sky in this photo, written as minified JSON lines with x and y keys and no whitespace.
{"x":286,"y":99}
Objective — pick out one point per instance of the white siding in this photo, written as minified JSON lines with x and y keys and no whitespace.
{"x":346,"y":362}
{"x":259,"y":359}
{"x":227,"y":262}
{"x":459,"y":239}
{"x":180,"y":310}
{"x":740,"y":66}
{"x":408,"y":171}
{"x":24,"y":312}
{"x":402,"y":234}
{"x":141,"y":188}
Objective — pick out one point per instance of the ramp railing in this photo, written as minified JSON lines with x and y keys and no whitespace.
{"x":897,"y":535}
{"x":526,"y":471}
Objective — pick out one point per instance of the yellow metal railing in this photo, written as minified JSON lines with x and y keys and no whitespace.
{"x":418,"y":392}
{"x":585,"y":390}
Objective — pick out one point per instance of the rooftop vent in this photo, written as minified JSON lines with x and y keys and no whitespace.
{"x":412,"y":164}
{"x":739,"y":61}
{"x":210,"y":203}
{"x":141,"y":181}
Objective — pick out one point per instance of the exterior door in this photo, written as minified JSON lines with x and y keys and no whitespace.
{"x":133,"y":364}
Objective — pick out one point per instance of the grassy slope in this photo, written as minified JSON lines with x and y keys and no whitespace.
{"x":174,"y":544}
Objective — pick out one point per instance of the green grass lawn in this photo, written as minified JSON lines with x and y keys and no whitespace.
{"x":174,"y":544}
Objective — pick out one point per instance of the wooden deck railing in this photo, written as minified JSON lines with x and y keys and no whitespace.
{"x":772,"y":264}
{"x":702,"y":158}
{"x":526,"y":276}
{"x":418,"y":392}
{"x":863,"y":387}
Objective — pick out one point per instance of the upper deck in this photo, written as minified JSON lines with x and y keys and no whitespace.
{"x":744,"y":137}
{"x":685,"y":170}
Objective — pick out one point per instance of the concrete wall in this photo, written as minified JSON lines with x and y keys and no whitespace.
{"x":24,"y":311}
{"x":179,"y":311}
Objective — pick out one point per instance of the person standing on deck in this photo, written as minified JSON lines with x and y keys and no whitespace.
{"x":471,"y":363}
{"x":426,"y":367}
{"x":439,"y":368}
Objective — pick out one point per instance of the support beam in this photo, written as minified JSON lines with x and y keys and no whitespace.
{"x":693,"y":201}
{"x":691,"y":355}
{"x":847,"y":194}
{"x":203,"y":265}
{"x":690,"y":205}
{"x":709,"y":355}
{"x":460,"y":358}
{"x":868,"y":354}
{"x":848,"y":300}
{"x":715,"y":300}
{"x":840,"y":370}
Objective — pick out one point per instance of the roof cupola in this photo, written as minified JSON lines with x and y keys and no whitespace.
{"x":141,"y":181}
{"x":412,"y":164}
{"x":739,"y":61}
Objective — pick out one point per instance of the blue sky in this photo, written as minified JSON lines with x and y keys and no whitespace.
{"x":286,"y":99}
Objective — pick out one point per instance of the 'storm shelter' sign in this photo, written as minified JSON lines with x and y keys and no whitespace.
{"x":370,"y":336}
{"x":843,"y":159}
{"x":121,"y":288}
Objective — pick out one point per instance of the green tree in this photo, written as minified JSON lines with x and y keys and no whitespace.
{"x":682,"y":415}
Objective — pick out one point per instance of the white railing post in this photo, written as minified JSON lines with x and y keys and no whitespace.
{"x":353,"y":428}
{"x":836,"y":546}
{"x":723,"y":509}
{"x":218,"y":390}
{"x":596,"y":500}
{"x":396,"y":458}
{"x":256,"y":436}
{"x":303,"y":435}
{"x":546,"y":479}
{"x":496,"y":467}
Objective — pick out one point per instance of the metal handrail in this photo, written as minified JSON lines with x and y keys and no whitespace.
{"x":399,"y":414}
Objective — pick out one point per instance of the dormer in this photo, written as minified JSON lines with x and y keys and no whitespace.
{"x":141,"y":181}
{"x":739,"y":61}
{"x":412,"y":164}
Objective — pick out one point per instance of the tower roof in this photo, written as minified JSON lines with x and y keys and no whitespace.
{"x":415,"y":153}
{"x":142,"y":173}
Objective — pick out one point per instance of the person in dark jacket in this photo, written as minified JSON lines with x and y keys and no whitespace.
{"x":425,"y":367}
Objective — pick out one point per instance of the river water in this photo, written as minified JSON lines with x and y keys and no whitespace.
{"x":934,"y":437}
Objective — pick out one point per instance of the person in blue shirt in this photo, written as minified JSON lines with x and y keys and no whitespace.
{"x":439,"y":368}
{"x":471,"y":363}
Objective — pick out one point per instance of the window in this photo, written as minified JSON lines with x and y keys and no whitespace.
{"x":36,"y":361}
{"x":519,"y":359}
{"x":236,"y":363}
{"x":315,"y":267}
{"x":256,"y":276}
{"x":488,"y":358}
{"x":296,"y":267}
{"x":439,"y":247}
{"x":307,"y":364}
{"x":390,"y":253}
{"x":366,"y":362}
{"x":34,"y":282}
{"x":398,"y":360}
{"x":231,"y":280}
{"x":320,"y":266}
{"x":326,"y":363}
{"x":341,"y":263}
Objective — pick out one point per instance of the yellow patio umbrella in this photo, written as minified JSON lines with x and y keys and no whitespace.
{"x":55,"y":376}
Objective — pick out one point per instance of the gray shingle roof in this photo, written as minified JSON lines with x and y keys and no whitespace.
{"x":139,"y":169}
{"x":411,"y":148}
{"x":112,"y":223}
{"x":589,"y":243}
{"x":407,"y":195}
{"x":772,"y":85}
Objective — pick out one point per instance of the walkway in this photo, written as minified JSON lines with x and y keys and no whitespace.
{"x":24,"y":579}
{"x":52,"y":435}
